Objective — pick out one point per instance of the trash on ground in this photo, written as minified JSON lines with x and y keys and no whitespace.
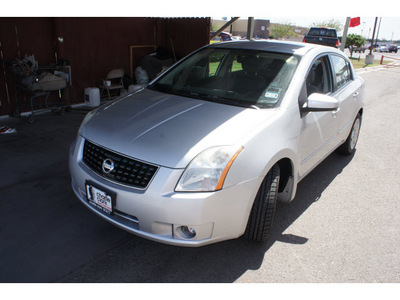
{"x":6,"y":130}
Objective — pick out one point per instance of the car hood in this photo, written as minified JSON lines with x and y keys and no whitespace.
{"x":169,"y":130}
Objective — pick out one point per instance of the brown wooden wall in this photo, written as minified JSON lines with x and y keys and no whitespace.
{"x":93,"y":46}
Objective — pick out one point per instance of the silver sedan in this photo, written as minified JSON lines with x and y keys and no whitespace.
{"x":204,"y":152}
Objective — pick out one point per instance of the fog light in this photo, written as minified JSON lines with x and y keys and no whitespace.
{"x":188,"y":232}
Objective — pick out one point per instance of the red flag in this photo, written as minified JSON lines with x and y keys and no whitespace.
{"x":354,"y":22}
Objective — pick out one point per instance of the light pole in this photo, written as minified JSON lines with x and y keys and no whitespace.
{"x":362,"y":30}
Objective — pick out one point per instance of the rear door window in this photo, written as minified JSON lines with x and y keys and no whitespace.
{"x":322,"y":32}
{"x":342,"y":71}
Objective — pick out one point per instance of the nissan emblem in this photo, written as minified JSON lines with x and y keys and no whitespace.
{"x":108,"y":165}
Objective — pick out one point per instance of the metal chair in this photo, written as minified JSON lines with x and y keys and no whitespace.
{"x":113,"y":82}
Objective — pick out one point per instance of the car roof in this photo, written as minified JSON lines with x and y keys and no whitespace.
{"x":269,"y":46}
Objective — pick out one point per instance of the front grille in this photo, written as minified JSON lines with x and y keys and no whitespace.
{"x":126,"y":170}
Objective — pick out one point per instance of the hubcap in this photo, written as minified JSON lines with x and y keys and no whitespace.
{"x":354,"y":133}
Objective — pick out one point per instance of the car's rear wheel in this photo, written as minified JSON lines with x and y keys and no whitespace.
{"x":350,"y":144}
{"x":262,"y":213}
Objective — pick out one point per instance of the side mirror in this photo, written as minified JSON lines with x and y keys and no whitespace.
{"x":320,"y":102}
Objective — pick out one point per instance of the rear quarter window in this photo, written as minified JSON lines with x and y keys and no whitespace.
{"x":322,"y":32}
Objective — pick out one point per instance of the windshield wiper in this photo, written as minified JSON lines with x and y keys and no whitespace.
{"x":224,"y":100}
{"x":203,"y":96}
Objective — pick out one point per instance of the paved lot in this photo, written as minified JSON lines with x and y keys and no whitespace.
{"x":342,"y":226}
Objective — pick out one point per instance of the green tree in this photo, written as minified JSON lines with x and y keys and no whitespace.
{"x":329,"y":23}
{"x":353,"y":41}
{"x":280,"y":31}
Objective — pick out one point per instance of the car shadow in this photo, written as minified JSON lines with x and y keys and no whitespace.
{"x":139,"y":260}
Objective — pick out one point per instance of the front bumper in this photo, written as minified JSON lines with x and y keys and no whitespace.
{"x":158,"y":213}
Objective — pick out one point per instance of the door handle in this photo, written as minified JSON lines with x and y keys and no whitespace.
{"x":334,"y":113}
{"x":355,"y":94}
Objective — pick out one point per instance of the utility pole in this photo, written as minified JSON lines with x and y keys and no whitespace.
{"x":344,"y":37}
{"x":250,"y":28}
{"x":379,"y":28}
{"x":369,"y":59}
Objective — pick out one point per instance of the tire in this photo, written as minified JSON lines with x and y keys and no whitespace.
{"x":350,"y":144}
{"x":263,"y":211}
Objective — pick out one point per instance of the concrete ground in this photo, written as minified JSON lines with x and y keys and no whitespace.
{"x":43,"y":229}
{"x":342,"y":227}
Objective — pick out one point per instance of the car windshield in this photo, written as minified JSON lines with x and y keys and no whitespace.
{"x":231,"y":76}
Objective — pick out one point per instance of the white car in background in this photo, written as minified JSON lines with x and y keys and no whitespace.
{"x":203,"y":153}
{"x":383,"y":48}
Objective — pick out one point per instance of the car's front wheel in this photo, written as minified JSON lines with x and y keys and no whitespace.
{"x":262,"y":213}
{"x":350,"y":144}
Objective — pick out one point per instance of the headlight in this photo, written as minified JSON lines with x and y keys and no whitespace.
{"x":208,"y":170}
